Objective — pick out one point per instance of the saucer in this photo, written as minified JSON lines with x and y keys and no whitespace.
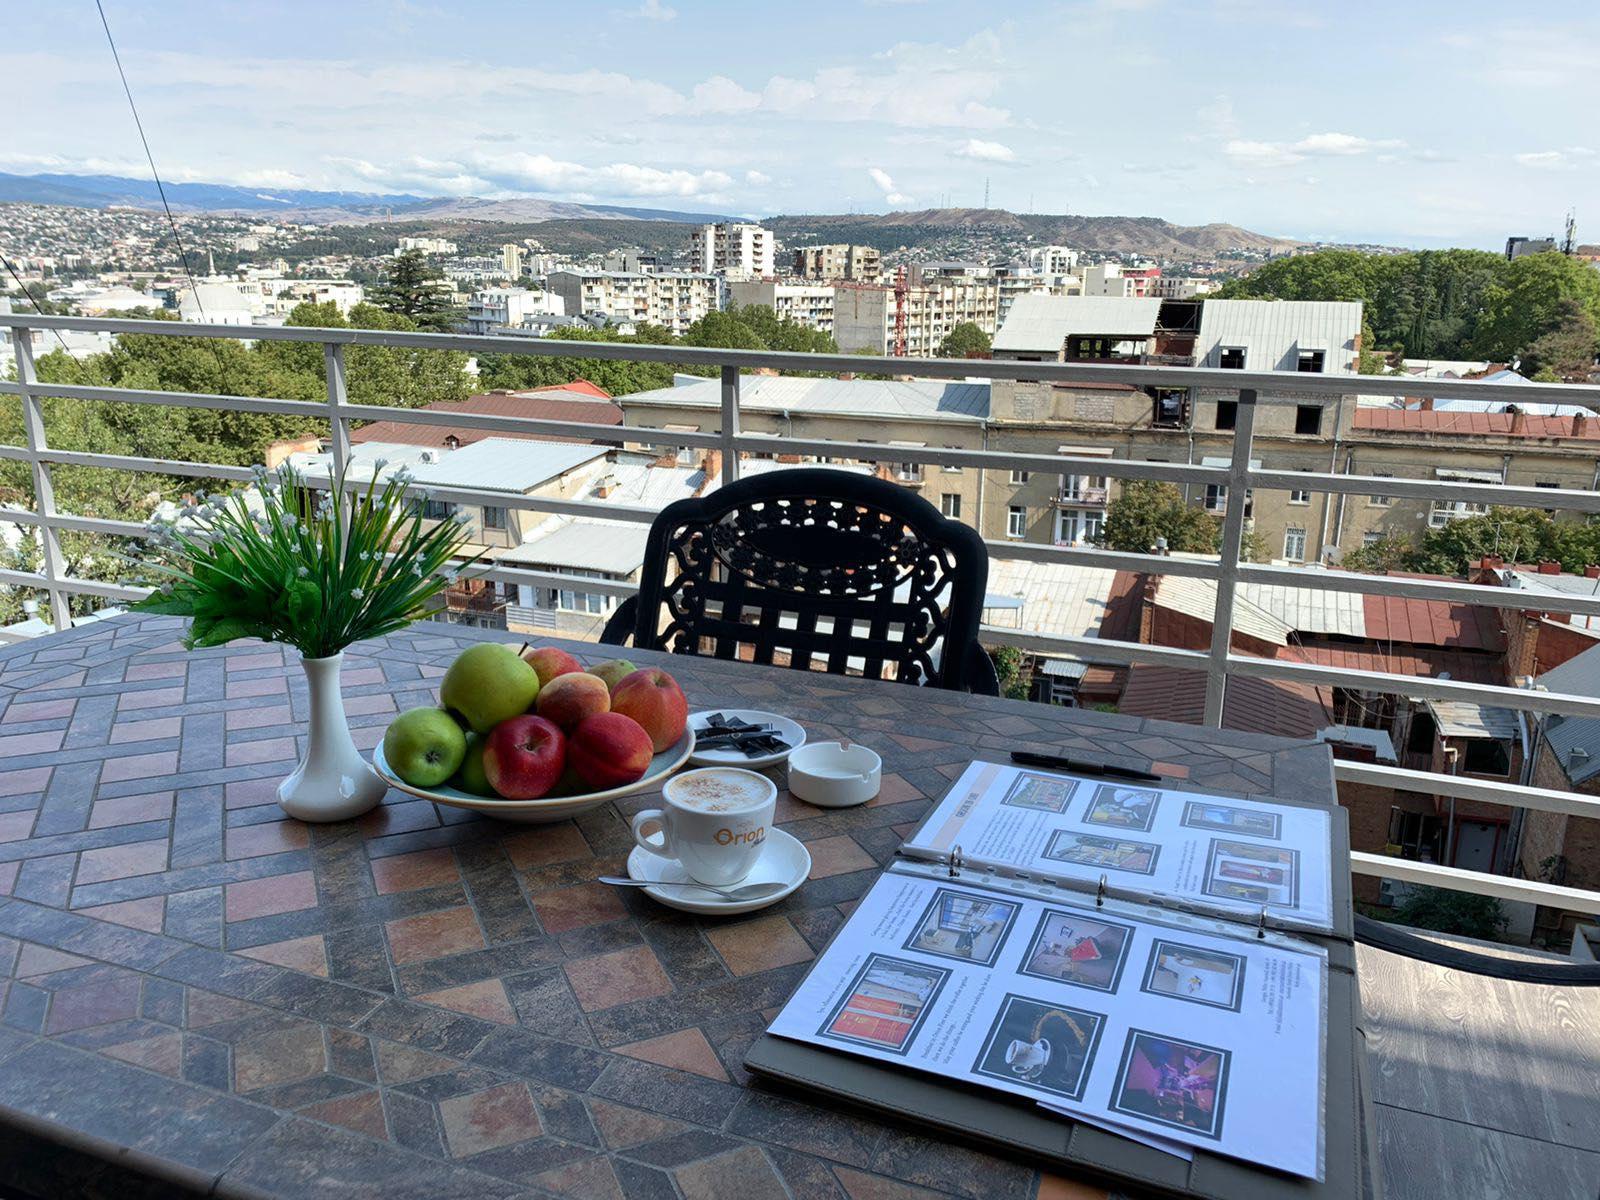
{"x":786,"y":728}
{"x":783,"y":859}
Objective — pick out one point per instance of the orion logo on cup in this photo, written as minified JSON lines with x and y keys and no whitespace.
{"x":742,"y":837}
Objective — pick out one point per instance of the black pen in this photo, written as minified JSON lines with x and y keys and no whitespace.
{"x":1029,"y":758}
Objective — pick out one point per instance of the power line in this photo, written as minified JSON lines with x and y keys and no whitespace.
{"x":33,"y":300}
{"x":150,"y":158}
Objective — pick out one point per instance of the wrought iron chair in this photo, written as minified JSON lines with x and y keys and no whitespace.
{"x":821,"y":567}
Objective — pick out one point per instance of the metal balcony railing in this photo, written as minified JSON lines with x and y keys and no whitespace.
{"x":1219,"y":662}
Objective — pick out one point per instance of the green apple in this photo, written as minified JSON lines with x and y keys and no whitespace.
{"x":470,"y":778}
{"x":613,"y":671}
{"x":424,"y":746}
{"x":488,"y":684}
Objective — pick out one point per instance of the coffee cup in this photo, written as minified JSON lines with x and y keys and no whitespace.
{"x":714,"y":822}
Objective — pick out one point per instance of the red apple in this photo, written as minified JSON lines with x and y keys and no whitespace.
{"x":570,"y":698}
{"x":549,"y":662}
{"x":654,"y":699}
{"x":608,"y":750}
{"x":524,"y":757}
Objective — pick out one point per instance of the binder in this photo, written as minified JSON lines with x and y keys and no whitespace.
{"x":1016,"y":1127}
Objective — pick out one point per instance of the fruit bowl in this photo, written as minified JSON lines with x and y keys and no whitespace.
{"x":551,"y":808}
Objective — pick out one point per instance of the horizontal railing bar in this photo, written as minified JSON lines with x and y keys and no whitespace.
{"x":27,"y":579}
{"x":1105,"y":560}
{"x":1465,"y":787}
{"x":1093,"y":649}
{"x":1501,"y":887}
{"x":1487,"y":595}
{"x":158,"y":466}
{"x":213,"y":400}
{"x":513,"y":500}
{"x":552,"y":579}
{"x":1520,"y":699}
{"x":81,"y":524}
{"x":1303,"y":383}
{"x":1573,"y":500}
{"x":94,"y":587}
{"x":490,"y":422}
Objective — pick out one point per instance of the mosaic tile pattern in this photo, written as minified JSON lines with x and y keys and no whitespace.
{"x":423,"y":1002}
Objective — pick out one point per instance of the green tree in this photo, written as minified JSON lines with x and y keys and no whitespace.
{"x":617,"y":377}
{"x":1564,"y":353}
{"x":1389,"y":553}
{"x":414,"y":288}
{"x":965,"y":340}
{"x":723,"y":330}
{"x":1452,"y":912}
{"x":1147,"y":510}
{"x":783,"y":334}
{"x":1535,"y":296}
{"x":1008,"y":668}
{"x":1515,"y":534}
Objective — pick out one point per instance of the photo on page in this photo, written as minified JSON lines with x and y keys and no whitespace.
{"x":1123,"y":807}
{"x":1260,"y":874}
{"x":1195,"y":974}
{"x":1042,"y":793}
{"x":885,"y":1004}
{"x":1224,"y":818}
{"x":1172,"y":1082}
{"x":1111,"y":854}
{"x":1045,"y":1046}
{"x":1074,"y":947}
{"x":963,"y":926}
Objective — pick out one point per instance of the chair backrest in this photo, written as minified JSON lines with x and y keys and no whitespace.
{"x":821,"y":567}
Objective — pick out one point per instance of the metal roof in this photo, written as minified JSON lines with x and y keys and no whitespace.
{"x":1578,"y":676}
{"x":614,"y":547}
{"x":1274,"y":331}
{"x":1271,"y":706}
{"x":1042,"y":322}
{"x":920,"y":398}
{"x":1463,"y":719}
{"x":1576,"y":743}
{"x":505,"y":464}
{"x":1056,"y":598}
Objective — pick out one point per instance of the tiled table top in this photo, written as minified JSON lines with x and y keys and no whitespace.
{"x":423,"y":1002}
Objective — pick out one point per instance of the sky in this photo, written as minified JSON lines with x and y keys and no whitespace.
{"x":1422,"y":123}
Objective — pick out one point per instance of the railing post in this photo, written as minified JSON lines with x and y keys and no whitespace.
{"x":730,"y":424}
{"x":338,"y":397}
{"x":1228,"y":574}
{"x":44,"y":491}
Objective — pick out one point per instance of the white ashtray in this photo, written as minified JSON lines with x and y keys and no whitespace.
{"x":834,"y":775}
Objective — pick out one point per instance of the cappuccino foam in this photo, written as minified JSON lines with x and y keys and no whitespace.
{"x":718,"y":790}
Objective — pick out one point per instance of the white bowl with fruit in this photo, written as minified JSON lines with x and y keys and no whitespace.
{"x":534,"y":737}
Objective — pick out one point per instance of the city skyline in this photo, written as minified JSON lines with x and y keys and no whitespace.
{"x":1427,"y":126}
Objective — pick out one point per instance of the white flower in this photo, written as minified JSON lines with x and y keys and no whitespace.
{"x":290,"y":520}
{"x":356,"y":593}
{"x":460,"y":517}
{"x":379,"y":465}
{"x":364,"y":555}
{"x":166,"y":589}
{"x":302,"y":571}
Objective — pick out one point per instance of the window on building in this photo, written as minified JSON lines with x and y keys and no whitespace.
{"x":1308,"y":418}
{"x":1231,"y":358}
{"x":1294,"y":543}
{"x":1016,"y":521}
{"x":493,"y":517}
{"x":1380,"y":501}
{"x":1216,"y":497}
{"x":1299,"y":496}
{"x":1227,"y":414}
{"x":950,"y":470}
{"x":908,"y":472}
{"x":437,"y":510}
{"x":950,"y":505}
{"x":1019,"y":477}
{"x":1486,"y":756}
{"x":1171,"y":407}
{"x":582,"y":602}
{"x":1311,"y":360}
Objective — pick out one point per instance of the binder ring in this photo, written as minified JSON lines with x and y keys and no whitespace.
{"x":1100,"y":893}
{"x":955,"y":862}
{"x":1261,"y":924}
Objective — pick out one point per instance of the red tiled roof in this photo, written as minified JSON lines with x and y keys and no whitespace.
{"x":1270,"y":706}
{"x":1418,"y":662}
{"x":1431,"y":623}
{"x":577,"y":401}
{"x":1476,"y":424}
{"x":1123,"y":606}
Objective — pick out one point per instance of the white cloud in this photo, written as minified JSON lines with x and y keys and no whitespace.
{"x":719,"y":94}
{"x":1217,"y":118}
{"x":757,"y":178}
{"x":1555,"y":160}
{"x":881,"y":178}
{"x":654,"y":10}
{"x":1343,"y":143}
{"x":502,"y":174}
{"x":984,"y":151}
{"x":895,"y":199}
{"x":1316,"y":145}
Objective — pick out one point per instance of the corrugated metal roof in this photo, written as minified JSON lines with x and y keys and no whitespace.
{"x":925,"y":398}
{"x":1578,"y":676}
{"x":1062,"y":668}
{"x":1472,"y":424}
{"x":1274,"y":331}
{"x":1576,"y":742}
{"x":1056,"y":598}
{"x":1041,"y":322}
{"x":1534,"y":408}
{"x":1419,"y":662}
{"x":1463,"y":719}
{"x":615,"y":547}
{"x":1432,"y":623}
{"x":505,"y":464}
{"x":576,"y":402}
{"x":1270,"y":706}
{"x":1198,"y":598}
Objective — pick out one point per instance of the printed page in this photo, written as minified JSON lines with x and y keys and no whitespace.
{"x":1194,"y":1038}
{"x":1234,"y":856}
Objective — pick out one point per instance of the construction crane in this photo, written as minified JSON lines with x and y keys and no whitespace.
{"x":1570,"y":242}
{"x":901,"y":291}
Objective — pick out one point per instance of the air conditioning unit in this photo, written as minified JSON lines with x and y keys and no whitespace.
{"x":428,"y":456}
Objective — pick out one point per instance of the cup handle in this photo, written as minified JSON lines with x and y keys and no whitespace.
{"x":661,"y":849}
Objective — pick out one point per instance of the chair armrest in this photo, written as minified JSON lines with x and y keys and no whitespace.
{"x":620,"y":625}
{"x":982,"y":680}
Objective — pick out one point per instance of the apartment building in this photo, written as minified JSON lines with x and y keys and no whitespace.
{"x":502,"y":308}
{"x":425,"y":245}
{"x":511,"y":260}
{"x":735,"y":249}
{"x":808,"y":304}
{"x":1113,"y":279}
{"x":674,"y":300}
{"x":858,"y":264}
{"x":864,"y":314}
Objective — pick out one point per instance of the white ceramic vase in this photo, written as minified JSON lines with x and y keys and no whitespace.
{"x":333,"y":781}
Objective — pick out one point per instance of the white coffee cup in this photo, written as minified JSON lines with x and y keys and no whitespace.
{"x":714,"y":823}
